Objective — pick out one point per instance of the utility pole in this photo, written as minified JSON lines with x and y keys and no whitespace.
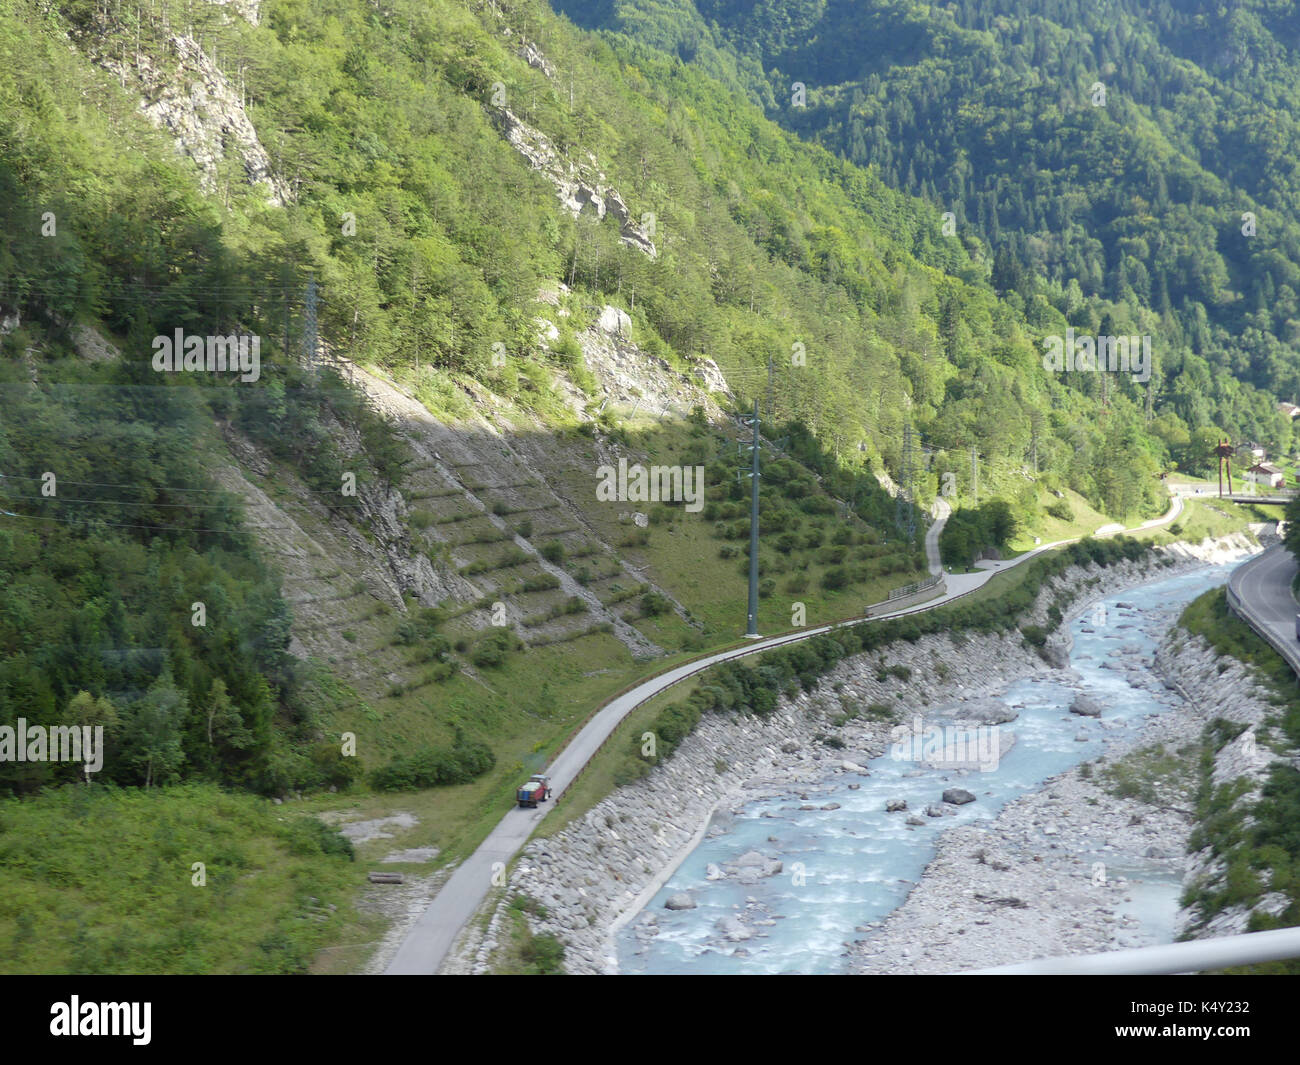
{"x":974,"y":475}
{"x":1224,"y":451}
{"x":309,"y":326}
{"x":905,"y":512}
{"x":751,"y":630}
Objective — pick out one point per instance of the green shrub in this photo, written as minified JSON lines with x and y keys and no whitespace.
{"x":428,"y":767}
{"x":834,"y":579}
{"x":309,"y":836}
{"x":653,"y":604}
{"x":493,"y":646}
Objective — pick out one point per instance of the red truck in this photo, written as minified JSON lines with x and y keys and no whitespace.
{"x":538,"y":789}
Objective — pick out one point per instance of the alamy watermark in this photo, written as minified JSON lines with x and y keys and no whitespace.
{"x":949,"y":746}
{"x":193,"y":353}
{"x":79,"y":1018}
{"x":1128,"y":354}
{"x":59,"y":743}
{"x":654,"y":484}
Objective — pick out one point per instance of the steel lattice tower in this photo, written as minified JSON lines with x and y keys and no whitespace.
{"x":905,"y":511}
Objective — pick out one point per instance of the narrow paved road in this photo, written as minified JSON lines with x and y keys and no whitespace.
{"x":429,"y":940}
{"x":1264,"y":586}
{"x":432,"y":936}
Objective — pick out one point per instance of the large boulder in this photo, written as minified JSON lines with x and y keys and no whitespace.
{"x":1055,"y":655}
{"x":734,"y":929}
{"x":958,"y":796}
{"x":983,"y":711}
{"x":894,"y":806}
{"x":752,"y":866}
{"x":681,"y":901}
{"x":1085,"y":706}
{"x":974,"y":747}
{"x":615,"y":322}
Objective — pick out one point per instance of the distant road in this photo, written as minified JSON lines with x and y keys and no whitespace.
{"x":432,"y":936}
{"x":1279,"y":496}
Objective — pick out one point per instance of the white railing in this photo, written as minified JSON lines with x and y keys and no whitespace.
{"x":1197,"y":955}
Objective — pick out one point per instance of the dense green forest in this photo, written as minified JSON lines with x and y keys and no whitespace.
{"x":817,"y":288}
{"x":1123,"y":159}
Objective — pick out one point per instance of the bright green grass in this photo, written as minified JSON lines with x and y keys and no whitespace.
{"x":99,"y":880}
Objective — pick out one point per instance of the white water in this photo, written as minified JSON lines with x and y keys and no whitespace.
{"x":858,"y":863}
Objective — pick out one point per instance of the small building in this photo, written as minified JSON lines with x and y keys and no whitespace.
{"x":1289,"y":409}
{"x":1266,"y":474}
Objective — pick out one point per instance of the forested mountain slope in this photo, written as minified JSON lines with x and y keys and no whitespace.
{"x":1130,"y":161}
{"x":484,"y":255}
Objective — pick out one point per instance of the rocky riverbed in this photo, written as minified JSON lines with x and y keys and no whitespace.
{"x":1023,"y":885}
{"x":1047,"y":876}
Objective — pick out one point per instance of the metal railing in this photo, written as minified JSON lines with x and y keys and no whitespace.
{"x":1289,"y":649}
{"x":911,"y":589}
{"x":1193,"y":956}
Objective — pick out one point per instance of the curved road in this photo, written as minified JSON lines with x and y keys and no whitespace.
{"x":1264,"y":587}
{"x":432,"y":936}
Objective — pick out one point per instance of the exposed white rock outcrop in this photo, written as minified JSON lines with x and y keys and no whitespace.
{"x":532,"y":55}
{"x":249,"y":10}
{"x":631,"y":376}
{"x":91,"y":345}
{"x":578,"y":185}
{"x":188,"y":95}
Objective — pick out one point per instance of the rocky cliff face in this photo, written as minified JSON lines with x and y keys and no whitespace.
{"x":186,"y":94}
{"x":631,"y":377}
{"x":579,"y":186}
{"x":249,"y":10}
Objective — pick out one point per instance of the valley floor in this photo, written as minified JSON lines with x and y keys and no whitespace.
{"x":596,"y":875}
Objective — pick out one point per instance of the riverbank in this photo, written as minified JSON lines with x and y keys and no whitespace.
{"x":1057,"y":871}
{"x":598,"y":872}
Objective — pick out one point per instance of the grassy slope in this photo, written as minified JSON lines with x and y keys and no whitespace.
{"x":1260,"y":852}
{"x":100,"y":881}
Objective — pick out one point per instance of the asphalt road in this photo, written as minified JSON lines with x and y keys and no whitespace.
{"x":432,"y":936}
{"x":1264,"y":586}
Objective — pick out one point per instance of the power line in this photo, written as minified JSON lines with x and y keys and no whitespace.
{"x":148,"y":528}
{"x":105,"y":484}
{"x":161,"y":488}
{"x":180,"y":506}
{"x":751,"y":628}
